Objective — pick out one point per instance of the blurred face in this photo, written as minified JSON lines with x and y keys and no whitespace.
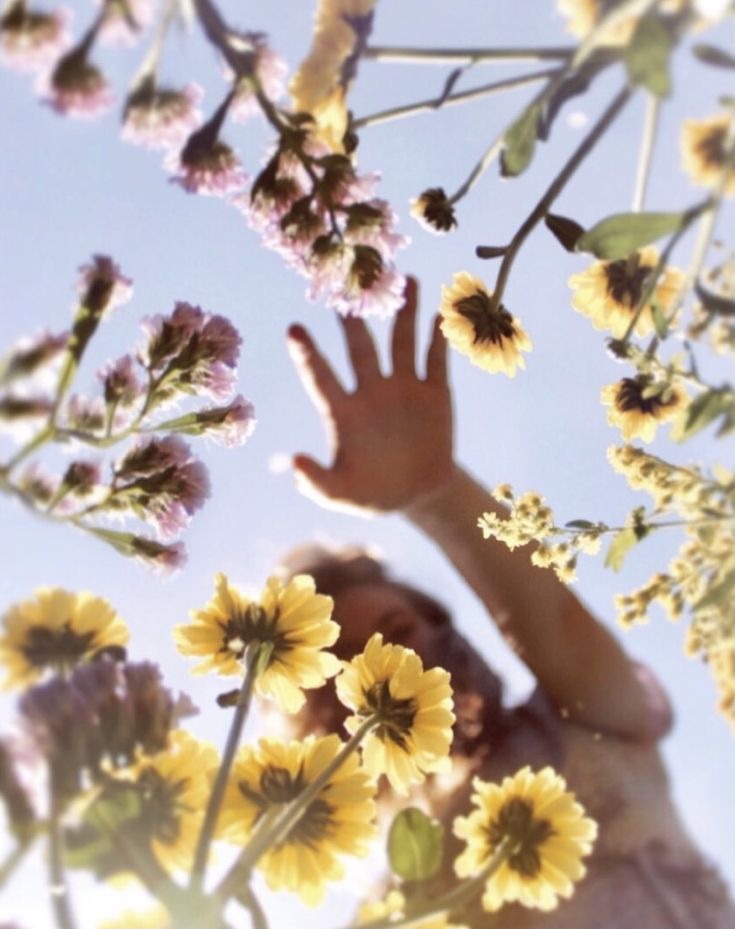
{"x":364,"y":609}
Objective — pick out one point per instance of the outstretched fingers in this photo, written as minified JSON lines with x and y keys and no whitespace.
{"x":436,"y":357}
{"x":317,"y":376}
{"x":403,"y":342}
{"x":361,"y":349}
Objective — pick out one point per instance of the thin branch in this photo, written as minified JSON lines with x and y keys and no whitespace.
{"x":650,"y":125}
{"x":556,"y":187}
{"x":58,"y":888}
{"x":406,"y":55}
{"x":228,"y":756}
{"x":435,"y":103}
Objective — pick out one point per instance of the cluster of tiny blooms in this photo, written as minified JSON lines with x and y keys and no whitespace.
{"x":530,"y":520}
{"x":293,"y":619}
{"x":54,"y":632}
{"x":434,"y":211}
{"x":31,"y":40}
{"x":638,"y":405}
{"x":412,"y":709}
{"x":159,"y":117}
{"x":699,"y":577}
{"x":608,"y":292}
{"x":543,"y":829}
{"x":320,"y":84}
{"x":707,"y":145}
{"x":489,"y":335}
{"x":340,"y":820}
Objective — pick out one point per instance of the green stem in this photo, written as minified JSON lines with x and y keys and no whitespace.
{"x":287,"y":818}
{"x":650,"y":125}
{"x":436,"y":103}
{"x":40,"y":438}
{"x":13,"y":859}
{"x":463,"y":893}
{"x":556,"y":187}
{"x":149,"y":66}
{"x":252,"y":658}
{"x":704,"y":520}
{"x":403,"y":54}
{"x":58,"y":888}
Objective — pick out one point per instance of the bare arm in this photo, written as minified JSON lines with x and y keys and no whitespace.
{"x":391,"y":445}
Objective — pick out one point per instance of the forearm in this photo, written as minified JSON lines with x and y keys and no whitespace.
{"x":576,"y":660}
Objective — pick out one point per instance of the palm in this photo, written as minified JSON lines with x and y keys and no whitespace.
{"x":392,"y":438}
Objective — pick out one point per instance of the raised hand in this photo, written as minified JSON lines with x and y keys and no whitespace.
{"x":391,"y":439}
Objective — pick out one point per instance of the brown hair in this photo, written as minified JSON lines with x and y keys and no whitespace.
{"x":477,"y":689}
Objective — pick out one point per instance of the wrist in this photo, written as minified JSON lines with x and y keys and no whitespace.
{"x":431,"y":504}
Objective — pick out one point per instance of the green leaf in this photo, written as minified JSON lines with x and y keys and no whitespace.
{"x":718,"y":592}
{"x":707,"y":407}
{"x":520,"y":142}
{"x":415,"y":845}
{"x":579,"y":524}
{"x":566,"y":231}
{"x":720,"y":306}
{"x":621,"y":234}
{"x":620,"y":545}
{"x":491,"y":251}
{"x":95,"y":838}
{"x":647,"y":56}
{"x":659,"y":322}
{"x":712,"y":55}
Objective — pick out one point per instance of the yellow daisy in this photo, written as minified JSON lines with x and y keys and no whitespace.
{"x":175,"y":785}
{"x":414,"y":707}
{"x":608,"y":292}
{"x":583,"y":15}
{"x":56,"y":631}
{"x":338,"y":821}
{"x":704,"y":144}
{"x":294,"y":619}
{"x":638,"y":410}
{"x":548,"y":833}
{"x":492,"y":338}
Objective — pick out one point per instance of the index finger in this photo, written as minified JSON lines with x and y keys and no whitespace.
{"x":319,"y":380}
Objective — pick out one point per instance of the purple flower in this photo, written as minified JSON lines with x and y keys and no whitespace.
{"x":76,"y":87}
{"x":213,"y":170}
{"x":120,"y":381}
{"x":102,"y":286}
{"x":32,"y":41}
{"x":86,"y":414}
{"x":81,"y":477}
{"x":161,"y":118}
{"x":231,"y":425}
{"x":148,"y":456}
{"x":164,"y":559}
{"x":39,"y":484}
{"x":169,"y":335}
{"x":13,"y":792}
{"x":30,"y":354}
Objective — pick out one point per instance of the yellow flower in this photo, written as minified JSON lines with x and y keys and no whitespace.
{"x":548,"y":834}
{"x":175,"y":786}
{"x":608,"y":292}
{"x":638,"y":410}
{"x":338,"y":821}
{"x":705,"y":146}
{"x":294,"y":619}
{"x":491,"y":337}
{"x":434,"y":210}
{"x":320,"y":84}
{"x":414,"y":707}
{"x":584,"y":15}
{"x":57,"y":630}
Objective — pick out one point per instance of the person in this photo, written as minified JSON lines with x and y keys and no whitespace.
{"x":595,"y":716}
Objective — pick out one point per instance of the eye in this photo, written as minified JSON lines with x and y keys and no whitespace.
{"x":398,"y":628}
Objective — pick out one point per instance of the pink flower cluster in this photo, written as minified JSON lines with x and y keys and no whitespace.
{"x":270,"y":71}
{"x":33,"y":41}
{"x":311,"y":207}
{"x":124,"y":21}
{"x":160,"y":117}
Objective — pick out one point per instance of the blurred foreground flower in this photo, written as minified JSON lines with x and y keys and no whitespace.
{"x":706,"y":145}
{"x":31,"y":40}
{"x":56,"y":631}
{"x":490,"y":336}
{"x":338,"y":821}
{"x":294,"y":620}
{"x":544,"y":829}
{"x":413,"y":708}
{"x":638,"y":406}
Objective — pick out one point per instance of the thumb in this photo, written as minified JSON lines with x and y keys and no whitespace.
{"x":313,"y":479}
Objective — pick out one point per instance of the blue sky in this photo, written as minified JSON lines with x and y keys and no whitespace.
{"x":73,"y":188}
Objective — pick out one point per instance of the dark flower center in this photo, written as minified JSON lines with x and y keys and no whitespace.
{"x":625,"y":280}
{"x":253,"y":625}
{"x":161,"y":812}
{"x":437,"y":210}
{"x":491,"y":324}
{"x":62,"y":647}
{"x":516,"y":823}
{"x":630,"y":397}
{"x":712,"y":147}
{"x":278,"y":786}
{"x":396,"y":716}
